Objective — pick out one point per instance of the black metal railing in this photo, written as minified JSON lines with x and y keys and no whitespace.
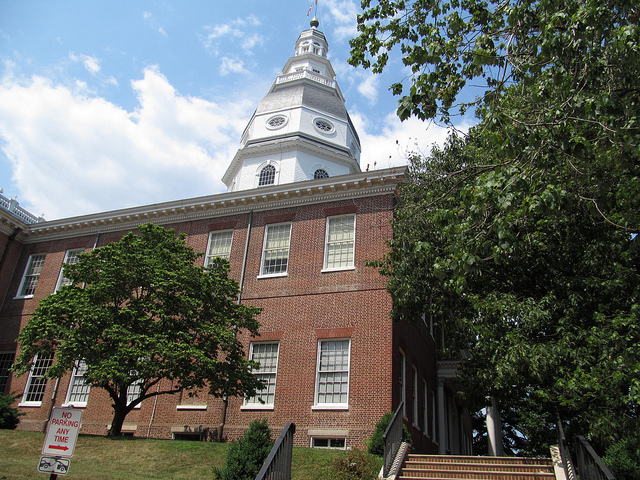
{"x":277,"y":466}
{"x":392,"y":440}
{"x":565,"y":454}
{"x":590,"y":465}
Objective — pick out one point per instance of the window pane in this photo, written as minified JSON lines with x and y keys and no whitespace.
{"x":219,"y":245}
{"x":71,"y":258}
{"x":340,"y":241}
{"x":6,"y":360}
{"x":267,"y":175}
{"x":78,"y":389}
{"x":36,"y":382}
{"x":276,"y":249}
{"x":333,"y":372}
{"x":31,"y":275}
{"x":267,"y":355}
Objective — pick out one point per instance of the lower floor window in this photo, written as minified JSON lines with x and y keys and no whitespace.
{"x":37,"y":382}
{"x":332,"y":376}
{"x":339,"y":443}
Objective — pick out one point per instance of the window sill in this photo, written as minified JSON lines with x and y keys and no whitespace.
{"x":256,"y":407}
{"x":30,"y":404}
{"x":191,"y":407}
{"x":74,"y":405}
{"x":22,"y":297}
{"x":338,"y":406}
{"x":340,"y":269}
{"x":273,"y":275}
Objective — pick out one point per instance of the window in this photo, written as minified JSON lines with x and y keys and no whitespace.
{"x":332,"y":376}
{"x":340,"y":240}
{"x":401,"y":383}
{"x":267,"y":176}
{"x":338,"y":443}
{"x":415,"y":398}
{"x":320,"y":173}
{"x":134,"y":391}
{"x":275,"y":255}
{"x":6,"y":360}
{"x":433,"y":417}
{"x":219,"y":246}
{"x":36,"y":383}
{"x":31,"y":275}
{"x":70,"y":258}
{"x":78,"y":392}
{"x":276,"y":122}
{"x":324,"y":126}
{"x":267,"y":355}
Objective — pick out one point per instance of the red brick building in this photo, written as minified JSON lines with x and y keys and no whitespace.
{"x":298,"y":223}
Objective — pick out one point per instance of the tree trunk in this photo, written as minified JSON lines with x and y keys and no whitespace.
{"x":119,"y":414}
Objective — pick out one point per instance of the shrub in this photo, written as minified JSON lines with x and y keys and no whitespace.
{"x":354,"y":465}
{"x":623,"y":458}
{"x":376,"y":443}
{"x":9,"y":416}
{"x":246,"y":456}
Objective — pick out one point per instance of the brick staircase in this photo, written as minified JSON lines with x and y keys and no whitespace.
{"x":435,"y":467}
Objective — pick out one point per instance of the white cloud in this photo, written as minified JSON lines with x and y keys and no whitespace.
{"x":73,"y":153}
{"x":91,"y":64}
{"x":231,"y":65}
{"x":238,"y":28}
{"x":395,"y":141}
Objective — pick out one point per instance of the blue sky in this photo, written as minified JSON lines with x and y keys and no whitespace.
{"x":113,"y":104}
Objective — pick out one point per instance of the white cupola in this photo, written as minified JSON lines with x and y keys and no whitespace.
{"x":301,"y":129}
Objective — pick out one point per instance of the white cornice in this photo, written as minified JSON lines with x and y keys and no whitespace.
{"x":355,"y":185}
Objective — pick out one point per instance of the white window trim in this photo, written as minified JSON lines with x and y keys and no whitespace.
{"x":65,"y":262}
{"x":191,"y":407}
{"x":211,"y":235}
{"x":425,"y":393}
{"x":326,"y":246}
{"x":321,"y":437}
{"x":264,"y":244}
{"x":32,"y":403}
{"x":276,"y":176}
{"x":331,"y":406}
{"x":263,"y":406}
{"x":24,"y":275}
{"x":67,"y":402}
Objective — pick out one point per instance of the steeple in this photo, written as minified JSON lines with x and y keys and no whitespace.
{"x":301,"y":129}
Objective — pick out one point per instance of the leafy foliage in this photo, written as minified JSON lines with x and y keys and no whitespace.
{"x":376,"y":443}
{"x":139,"y":310}
{"x":522,"y":237}
{"x":623,"y":458}
{"x":9,"y":416}
{"x":246,"y":456}
{"x":354,"y":465}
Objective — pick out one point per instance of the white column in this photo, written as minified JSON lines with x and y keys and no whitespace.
{"x":494,"y":429}
{"x":442,"y":419}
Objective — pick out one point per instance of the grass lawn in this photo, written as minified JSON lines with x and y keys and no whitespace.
{"x":127,"y":458}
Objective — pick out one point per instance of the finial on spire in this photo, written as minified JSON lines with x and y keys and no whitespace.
{"x":314,"y":22}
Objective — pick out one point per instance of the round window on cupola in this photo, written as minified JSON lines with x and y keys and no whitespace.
{"x":277,"y":121}
{"x":323,"y":125}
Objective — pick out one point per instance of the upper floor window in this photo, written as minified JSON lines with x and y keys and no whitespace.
{"x":70,"y":258}
{"x":78,"y":392}
{"x":320,"y":173}
{"x":275,"y":254}
{"x":340,"y":241}
{"x":267,"y":176}
{"x":325,"y":126}
{"x":31,"y":275}
{"x":219,"y":246}
{"x":267,"y":355}
{"x":36,"y":383}
{"x":332,"y":374}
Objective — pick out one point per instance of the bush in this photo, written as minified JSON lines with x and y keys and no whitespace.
{"x":623,"y":458}
{"x":376,"y":443}
{"x":246,"y":456}
{"x":354,"y":465}
{"x":9,"y":416}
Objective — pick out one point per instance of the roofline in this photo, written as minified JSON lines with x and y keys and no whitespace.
{"x":353,"y":185}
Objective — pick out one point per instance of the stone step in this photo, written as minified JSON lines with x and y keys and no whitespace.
{"x":438,"y":467}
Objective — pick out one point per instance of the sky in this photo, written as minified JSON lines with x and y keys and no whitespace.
{"x":114,"y":104}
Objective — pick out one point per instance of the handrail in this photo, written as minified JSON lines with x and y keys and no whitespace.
{"x":565,"y":455}
{"x":590,"y":465}
{"x":392,"y":439}
{"x":277,"y":466}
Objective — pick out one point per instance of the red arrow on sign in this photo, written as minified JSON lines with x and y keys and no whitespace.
{"x":58,"y":447}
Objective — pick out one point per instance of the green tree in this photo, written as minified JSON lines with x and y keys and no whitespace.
{"x":521,"y":238}
{"x":246,"y":456}
{"x":140,"y":311}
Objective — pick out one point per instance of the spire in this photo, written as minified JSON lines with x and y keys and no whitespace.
{"x":301,"y":129}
